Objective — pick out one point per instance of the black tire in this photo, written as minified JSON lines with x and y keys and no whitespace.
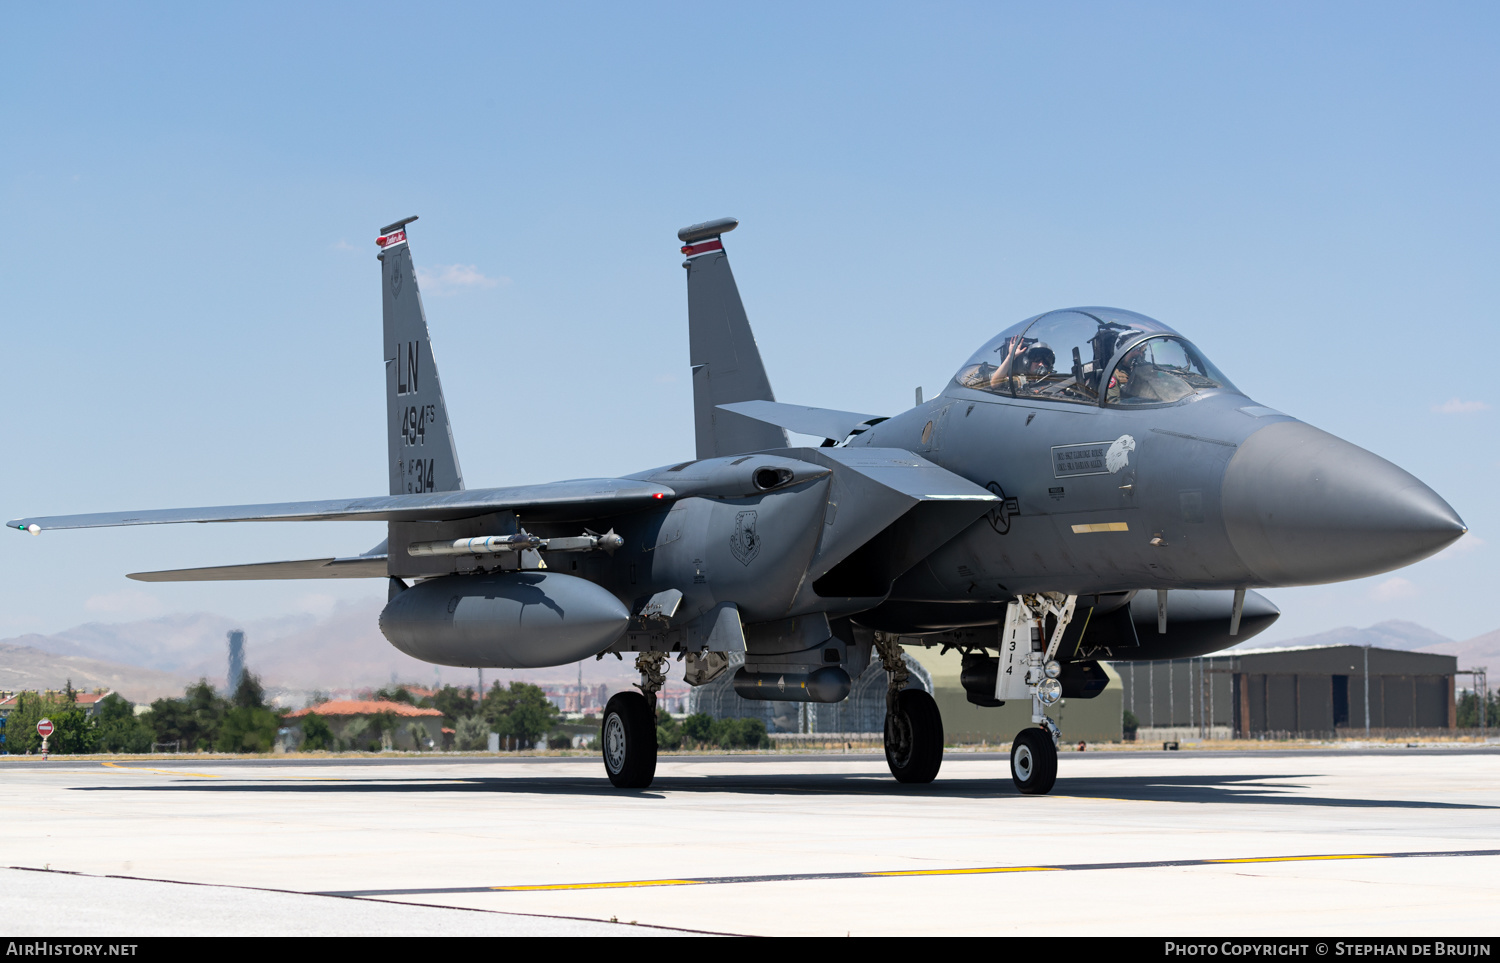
{"x":914,"y":737}
{"x":1033,"y":762}
{"x":627,"y":738}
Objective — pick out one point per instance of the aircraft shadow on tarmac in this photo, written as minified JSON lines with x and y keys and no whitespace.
{"x":1260,"y":789}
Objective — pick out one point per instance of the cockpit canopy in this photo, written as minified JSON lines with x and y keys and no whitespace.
{"x":1092,"y":356}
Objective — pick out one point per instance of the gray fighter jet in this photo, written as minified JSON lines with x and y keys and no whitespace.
{"x":1089,"y":485}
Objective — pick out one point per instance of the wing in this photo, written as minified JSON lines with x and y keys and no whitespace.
{"x":559,"y":501}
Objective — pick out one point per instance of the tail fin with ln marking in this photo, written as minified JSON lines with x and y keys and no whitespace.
{"x":421,"y":452}
{"x":726,"y":363}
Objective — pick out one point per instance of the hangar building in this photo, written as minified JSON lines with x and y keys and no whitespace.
{"x":1311,"y":691}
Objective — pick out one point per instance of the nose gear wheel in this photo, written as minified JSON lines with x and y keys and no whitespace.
{"x":1033,"y":762}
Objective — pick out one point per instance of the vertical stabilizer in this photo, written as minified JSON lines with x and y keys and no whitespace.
{"x":421,"y":452}
{"x":726,"y":363}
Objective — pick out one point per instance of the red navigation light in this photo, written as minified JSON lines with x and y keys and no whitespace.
{"x":380,"y":240}
{"x":658,"y":495}
{"x":687,"y":249}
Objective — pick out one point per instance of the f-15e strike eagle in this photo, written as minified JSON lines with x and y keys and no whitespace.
{"x":1087,"y":486}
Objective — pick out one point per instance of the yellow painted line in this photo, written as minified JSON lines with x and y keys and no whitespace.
{"x":164,"y":772}
{"x":1101,"y":527}
{"x":1296,"y":859}
{"x":968,"y":872}
{"x":617,"y":885}
{"x":846,"y":875}
{"x":214,"y":775}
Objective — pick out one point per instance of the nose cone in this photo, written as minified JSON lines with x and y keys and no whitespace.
{"x":1303,"y":507}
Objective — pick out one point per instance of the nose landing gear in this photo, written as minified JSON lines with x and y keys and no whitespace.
{"x":1029,"y":670}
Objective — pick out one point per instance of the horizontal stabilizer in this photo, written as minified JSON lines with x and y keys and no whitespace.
{"x":819,"y":422}
{"x":559,"y":501}
{"x":359,"y":566}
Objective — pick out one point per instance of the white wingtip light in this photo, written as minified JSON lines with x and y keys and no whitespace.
{"x":34,"y":528}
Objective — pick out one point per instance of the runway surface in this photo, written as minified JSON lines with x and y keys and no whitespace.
{"x":1399,"y":842}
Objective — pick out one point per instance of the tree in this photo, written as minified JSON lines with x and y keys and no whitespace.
{"x":384,"y":724}
{"x":472,"y":733}
{"x":522,"y":712}
{"x":1468,"y":711}
{"x":395,"y":693}
{"x":247,"y":729}
{"x":740,"y":734}
{"x":698,"y":728}
{"x":702,"y":729}
{"x":73,"y":731}
{"x":418,"y":734}
{"x":668,"y":732}
{"x":120,"y":729}
{"x":316,"y":733}
{"x":250,"y":694}
{"x":192,"y":721}
{"x":356,"y":734}
{"x":455,"y":704}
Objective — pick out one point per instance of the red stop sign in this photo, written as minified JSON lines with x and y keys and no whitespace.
{"x":44,"y":727}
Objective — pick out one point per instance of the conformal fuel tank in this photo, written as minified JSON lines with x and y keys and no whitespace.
{"x":514,"y":620}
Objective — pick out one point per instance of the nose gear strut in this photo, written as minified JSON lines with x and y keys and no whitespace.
{"x":1026,"y":655}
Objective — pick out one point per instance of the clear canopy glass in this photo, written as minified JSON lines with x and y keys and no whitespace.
{"x":1075,"y":354}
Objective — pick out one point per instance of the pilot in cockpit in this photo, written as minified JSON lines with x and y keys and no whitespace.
{"x":1138,"y":378}
{"x":1024,"y":362}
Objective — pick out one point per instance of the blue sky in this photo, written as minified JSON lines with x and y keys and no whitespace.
{"x":191,"y":194}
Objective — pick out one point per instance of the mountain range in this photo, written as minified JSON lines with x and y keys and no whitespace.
{"x":1396,"y":634}
{"x":343,"y":649}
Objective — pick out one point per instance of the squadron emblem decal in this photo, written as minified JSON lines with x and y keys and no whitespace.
{"x":396,"y":279}
{"x":1118,"y":455}
{"x":999,"y":517}
{"x":745,"y":542}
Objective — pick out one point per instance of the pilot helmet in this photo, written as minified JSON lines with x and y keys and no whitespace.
{"x":1039,"y":353}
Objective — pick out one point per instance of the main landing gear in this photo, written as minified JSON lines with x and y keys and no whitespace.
{"x":628,"y":734}
{"x":913,"y":726}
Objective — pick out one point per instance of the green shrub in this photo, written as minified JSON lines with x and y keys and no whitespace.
{"x":120,"y":729}
{"x":316,"y":733}
{"x":471,"y":733}
{"x":702,"y":730}
{"x":668,"y":732}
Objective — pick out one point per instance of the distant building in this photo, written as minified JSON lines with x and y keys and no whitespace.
{"x":236,"y":660}
{"x":1314,"y":691}
{"x":341,"y":715}
{"x":88,"y":701}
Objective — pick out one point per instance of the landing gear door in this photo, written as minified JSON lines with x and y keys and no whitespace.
{"x":1015,"y":653}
